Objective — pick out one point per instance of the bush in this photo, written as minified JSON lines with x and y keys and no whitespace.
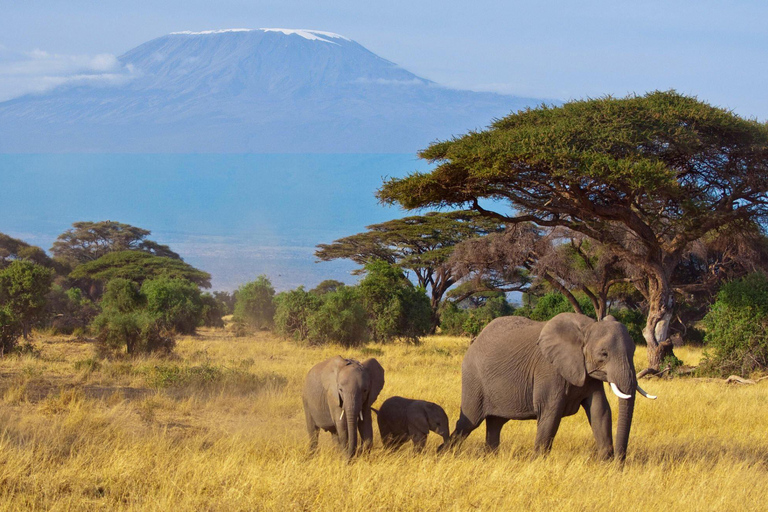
{"x":69,"y":310}
{"x":254,"y":304}
{"x":10,"y":331}
{"x":23,"y":289}
{"x":176,"y":302}
{"x":292,"y":312}
{"x":340,"y":318}
{"x":554,"y":303}
{"x":737,"y":329}
{"x":212,"y":311}
{"x":126,"y":322}
{"x":471,"y":321}
{"x":395,"y":308}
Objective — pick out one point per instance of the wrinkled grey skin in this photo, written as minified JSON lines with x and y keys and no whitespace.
{"x":337,"y":385}
{"x":518,"y":369}
{"x":401,"y":419}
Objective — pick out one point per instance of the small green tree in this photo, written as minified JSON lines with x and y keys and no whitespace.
{"x":69,"y":309}
{"x":737,"y":328}
{"x":254,"y":304}
{"x":23,"y":289}
{"x":292,"y":312}
{"x":213,"y":310}
{"x":176,"y":302}
{"x":341,"y":318}
{"x":126,"y":322}
{"x":395,"y":308}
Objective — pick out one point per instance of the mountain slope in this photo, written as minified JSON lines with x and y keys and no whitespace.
{"x":241,"y":90}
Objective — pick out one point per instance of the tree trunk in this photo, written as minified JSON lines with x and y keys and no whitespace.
{"x":656,"y":331}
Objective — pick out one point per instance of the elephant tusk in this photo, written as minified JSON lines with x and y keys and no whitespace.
{"x":342,"y":415}
{"x":618,"y":393}
{"x":361,"y":415}
{"x":646,"y":395}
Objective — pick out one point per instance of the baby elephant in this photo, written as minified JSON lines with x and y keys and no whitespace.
{"x":401,"y":419}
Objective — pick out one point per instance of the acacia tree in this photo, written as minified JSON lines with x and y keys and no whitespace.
{"x":12,"y":249}
{"x":89,"y":241}
{"x":421,"y":244}
{"x":644,"y":175}
{"x":23,"y":289}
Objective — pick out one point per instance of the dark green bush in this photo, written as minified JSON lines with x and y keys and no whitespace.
{"x":212,"y":311}
{"x":176,"y":302}
{"x":292,"y":312}
{"x":125,"y":322}
{"x":10,"y":331}
{"x":23,"y":289}
{"x":737,"y":329}
{"x":554,"y":303}
{"x":340,"y":318}
{"x":254,"y":303}
{"x":471,"y":321}
{"x":634,"y":321}
{"x":395,"y":307}
{"x":69,"y":310}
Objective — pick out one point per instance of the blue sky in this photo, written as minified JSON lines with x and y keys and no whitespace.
{"x":562,"y":50}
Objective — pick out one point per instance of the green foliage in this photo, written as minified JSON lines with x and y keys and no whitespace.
{"x":89,"y":241}
{"x":327,"y":286}
{"x":69,"y":310}
{"x":554,"y":303}
{"x":13,"y":249}
{"x":139,"y":266}
{"x":126,"y":322}
{"x":212,"y":310}
{"x":10,"y":331}
{"x":254,"y":304}
{"x":395,"y":308}
{"x":23,"y":289}
{"x":340,"y":318}
{"x":292,"y":312}
{"x":471,"y":321}
{"x":176,"y":302}
{"x":737,"y":329}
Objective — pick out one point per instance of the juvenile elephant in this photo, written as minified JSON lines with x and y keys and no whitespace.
{"x":337,"y":388}
{"x":519,"y":369}
{"x":401,"y":419}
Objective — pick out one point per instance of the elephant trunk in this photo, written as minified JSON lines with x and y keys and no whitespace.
{"x":352,"y":409}
{"x":627,"y":385}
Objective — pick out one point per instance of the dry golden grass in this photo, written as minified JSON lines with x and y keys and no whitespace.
{"x":220,"y":427}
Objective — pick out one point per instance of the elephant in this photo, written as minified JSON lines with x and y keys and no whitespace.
{"x":339,"y":387}
{"x":401,"y":419}
{"x":520,"y":369}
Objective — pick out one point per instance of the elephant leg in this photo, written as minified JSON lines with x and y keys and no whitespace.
{"x":546,"y":428}
{"x":599,"y":416}
{"x":312,"y":430}
{"x":464,"y":427}
{"x":493,"y":426}
{"x":419,"y":441}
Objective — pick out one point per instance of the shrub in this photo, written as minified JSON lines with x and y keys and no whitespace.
{"x":472,"y":321}
{"x":23,"y":289}
{"x":737,"y":328}
{"x":395,"y":308}
{"x":69,"y":310}
{"x":254,"y":304}
{"x":10,"y":331}
{"x":212,"y":311}
{"x":554,"y":303}
{"x":126,"y":322}
{"x":292,"y":312}
{"x":176,"y":302}
{"x":634,"y":321}
{"x":340,"y":318}
{"x":452,"y":319}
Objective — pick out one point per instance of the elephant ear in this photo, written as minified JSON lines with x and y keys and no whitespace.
{"x":376,"y":373}
{"x":562,"y":343}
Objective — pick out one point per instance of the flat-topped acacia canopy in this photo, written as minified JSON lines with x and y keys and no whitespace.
{"x":644,"y":175}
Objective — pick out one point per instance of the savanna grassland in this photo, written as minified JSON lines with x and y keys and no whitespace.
{"x":220,"y":426}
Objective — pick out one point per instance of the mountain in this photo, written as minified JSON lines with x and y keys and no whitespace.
{"x":248,"y":90}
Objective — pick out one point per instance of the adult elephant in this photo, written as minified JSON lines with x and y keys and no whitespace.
{"x":337,"y":388}
{"x":519,"y":369}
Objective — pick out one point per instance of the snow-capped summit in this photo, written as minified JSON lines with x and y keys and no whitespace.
{"x":249,"y":90}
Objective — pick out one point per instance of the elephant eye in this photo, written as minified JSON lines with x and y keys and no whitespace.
{"x":604,"y":353}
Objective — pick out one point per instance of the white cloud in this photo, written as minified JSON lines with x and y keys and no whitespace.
{"x":39,"y":71}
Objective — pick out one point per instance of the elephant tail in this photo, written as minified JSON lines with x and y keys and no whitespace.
{"x":375,"y":410}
